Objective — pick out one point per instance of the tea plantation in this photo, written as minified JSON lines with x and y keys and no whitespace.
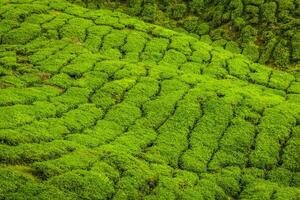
{"x":95,"y":104}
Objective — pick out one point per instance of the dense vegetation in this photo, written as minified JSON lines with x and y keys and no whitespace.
{"x":266,"y":31}
{"x":95,"y":104}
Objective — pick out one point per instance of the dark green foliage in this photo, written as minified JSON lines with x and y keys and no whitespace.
{"x":233,"y":47}
{"x":269,"y":11}
{"x":281,"y":55}
{"x":267,"y":50}
{"x":251,"y":51}
{"x":179,"y":10}
{"x":296,"y":46}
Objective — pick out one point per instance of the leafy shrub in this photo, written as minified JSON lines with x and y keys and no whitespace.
{"x":269,"y":11}
{"x":73,"y":32}
{"x":28,"y":153}
{"x":87,"y":185}
{"x":11,"y":96}
{"x":22,"y":35}
{"x":123,"y":114}
{"x":238,"y":67}
{"x":112,"y":92}
{"x":114,"y":40}
{"x":281,"y":55}
{"x":72,"y":96}
{"x":233,"y":47}
{"x":259,"y":190}
{"x":191,"y":24}
{"x":251,"y":51}
{"x":173,"y":57}
{"x":79,"y":65}
{"x":233,"y":148}
{"x":95,"y":36}
{"x":87,"y":113}
{"x":21,"y":114}
{"x":179,"y":10}
{"x":154,"y":49}
{"x":280,"y":80}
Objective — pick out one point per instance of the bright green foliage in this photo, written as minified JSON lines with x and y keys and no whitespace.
{"x":95,"y":36}
{"x":76,"y":29}
{"x":238,"y":68}
{"x":79,"y":65}
{"x":95,"y":104}
{"x":103,"y":132}
{"x":173,"y":57}
{"x":123,"y":114}
{"x":79,"y":119}
{"x":61,"y":80}
{"x":11,"y":96}
{"x":154,"y":49}
{"x":259,"y":74}
{"x":19,"y":185}
{"x":135,"y":42}
{"x":109,"y":20}
{"x":28,"y":153}
{"x":86,"y":185}
{"x":280,"y":80}
{"x":21,"y":114}
{"x":22,"y":35}
{"x":182,"y":44}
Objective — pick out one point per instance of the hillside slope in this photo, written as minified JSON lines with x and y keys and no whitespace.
{"x":95,"y":104}
{"x":266,"y":31}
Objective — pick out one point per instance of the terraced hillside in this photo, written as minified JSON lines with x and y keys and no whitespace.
{"x":95,"y":104}
{"x":266,"y":31}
